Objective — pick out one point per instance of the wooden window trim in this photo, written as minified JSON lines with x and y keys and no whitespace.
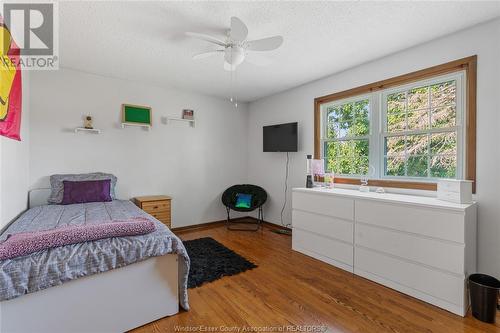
{"x":469,"y":65}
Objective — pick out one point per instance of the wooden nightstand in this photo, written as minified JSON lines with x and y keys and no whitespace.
{"x":156,"y":205}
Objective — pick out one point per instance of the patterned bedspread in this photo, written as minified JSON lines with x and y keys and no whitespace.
{"x":55,"y":266}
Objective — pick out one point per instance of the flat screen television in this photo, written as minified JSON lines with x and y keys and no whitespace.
{"x":280,"y":138}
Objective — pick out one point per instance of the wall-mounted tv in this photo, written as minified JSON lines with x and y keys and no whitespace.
{"x":280,"y":138}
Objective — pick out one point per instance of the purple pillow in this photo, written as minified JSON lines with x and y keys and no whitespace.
{"x":86,"y":191}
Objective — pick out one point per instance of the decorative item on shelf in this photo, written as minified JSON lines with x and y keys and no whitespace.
{"x":455,"y":190}
{"x":87,"y":122}
{"x":87,"y":126}
{"x":188,"y":114}
{"x":309,"y":175}
{"x":380,"y":190}
{"x":318,"y":167}
{"x":136,"y":115}
{"x":364,"y":179}
{"x":330,"y":180}
{"x":364,"y":184}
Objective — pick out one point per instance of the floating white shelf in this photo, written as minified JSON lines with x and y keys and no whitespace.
{"x":166,"y":120}
{"x":146,"y":126}
{"x":88,"y":130}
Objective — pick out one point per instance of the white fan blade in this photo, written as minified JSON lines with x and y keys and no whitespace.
{"x":206,"y":38}
{"x":265,"y":44}
{"x":207,"y":54}
{"x":239,"y":30}
{"x":228,"y":67}
{"x":257,"y":59}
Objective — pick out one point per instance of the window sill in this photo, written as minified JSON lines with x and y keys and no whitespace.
{"x":390,"y":183}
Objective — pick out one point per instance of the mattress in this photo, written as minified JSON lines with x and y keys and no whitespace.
{"x":52,"y":267}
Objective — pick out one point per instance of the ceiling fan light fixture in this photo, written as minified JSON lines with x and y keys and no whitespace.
{"x":234,"y":55}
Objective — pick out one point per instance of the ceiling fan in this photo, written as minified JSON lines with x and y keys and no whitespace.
{"x":236,"y":46}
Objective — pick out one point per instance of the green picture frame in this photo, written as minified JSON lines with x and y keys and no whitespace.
{"x":136,"y":114}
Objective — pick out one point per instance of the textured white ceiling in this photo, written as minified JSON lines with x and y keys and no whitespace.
{"x":144,"y":41}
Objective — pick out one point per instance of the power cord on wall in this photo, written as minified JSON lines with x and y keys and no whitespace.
{"x":286,"y":190}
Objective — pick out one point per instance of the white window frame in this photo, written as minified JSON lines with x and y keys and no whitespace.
{"x":377,"y":133}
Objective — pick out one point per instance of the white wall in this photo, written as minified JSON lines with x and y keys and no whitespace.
{"x":267,"y":169}
{"x":14,"y":164}
{"x":193,"y":165}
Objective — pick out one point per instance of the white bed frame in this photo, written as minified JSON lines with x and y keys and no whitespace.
{"x":113,"y":301}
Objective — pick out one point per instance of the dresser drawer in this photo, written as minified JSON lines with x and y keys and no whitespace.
{"x":436,"y":223}
{"x":440,"y":285}
{"x":156,"y":206}
{"x":324,"y":225}
{"x":432,"y":252}
{"x":325,"y":249}
{"x":339,"y":207}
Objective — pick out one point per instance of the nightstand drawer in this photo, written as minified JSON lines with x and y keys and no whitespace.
{"x":160,"y":216}
{"x":156,"y":206}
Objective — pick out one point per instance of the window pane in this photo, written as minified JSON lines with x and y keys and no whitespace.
{"x":418,"y":120}
{"x":417,"y":144}
{"x":396,"y":102}
{"x":444,"y":143}
{"x":394,"y":145}
{"x":443,"y":94}
{"x":360,"y":147}
{"x":418,"y":98}
{"x":348,"y":157}
{"x":361,"y":109}
{"x":395,"y":166}
{"x":396,"y":122}
{"x":416,"y":166}
{"x":444,"y":166}
{"x":333,"y":113}
{"x":444,"y":117}
{"x":346,"y":111}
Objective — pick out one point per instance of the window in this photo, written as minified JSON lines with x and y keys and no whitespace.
{"x":422,"y":130}
{"x":406,"y":131}
{"x":346,"y":143}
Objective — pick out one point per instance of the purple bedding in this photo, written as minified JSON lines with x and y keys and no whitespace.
{"x":25,"y":243}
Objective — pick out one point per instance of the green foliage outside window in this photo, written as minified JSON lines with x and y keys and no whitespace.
{"x":420,"y":139}
{"x":346,"y":123}
{"x":426,"y":154}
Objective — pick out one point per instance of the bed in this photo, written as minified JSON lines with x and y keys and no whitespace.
{"x":107,"y":285}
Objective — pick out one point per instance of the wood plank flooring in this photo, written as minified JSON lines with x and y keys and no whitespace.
{"x":292,"y":291}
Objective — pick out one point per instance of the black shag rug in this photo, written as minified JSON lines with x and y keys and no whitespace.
{"x":210,"y":260}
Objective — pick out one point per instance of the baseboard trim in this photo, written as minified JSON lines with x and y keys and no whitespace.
{"x":215,"y":224}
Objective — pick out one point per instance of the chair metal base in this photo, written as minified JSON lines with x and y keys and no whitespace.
{"x":231,"y":225}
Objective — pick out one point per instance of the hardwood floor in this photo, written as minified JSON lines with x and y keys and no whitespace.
{"x":290,"y":289}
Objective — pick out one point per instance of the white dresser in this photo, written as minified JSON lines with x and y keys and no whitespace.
{"x":420,"y":246}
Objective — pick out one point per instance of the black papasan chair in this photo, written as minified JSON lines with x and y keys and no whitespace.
{"x":259,"y":197}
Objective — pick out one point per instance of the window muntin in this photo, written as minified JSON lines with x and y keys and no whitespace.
{"x":412,"y":131}
{"x":345,"y":138}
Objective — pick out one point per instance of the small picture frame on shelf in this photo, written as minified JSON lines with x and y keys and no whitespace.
{"x":188,"y":114}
